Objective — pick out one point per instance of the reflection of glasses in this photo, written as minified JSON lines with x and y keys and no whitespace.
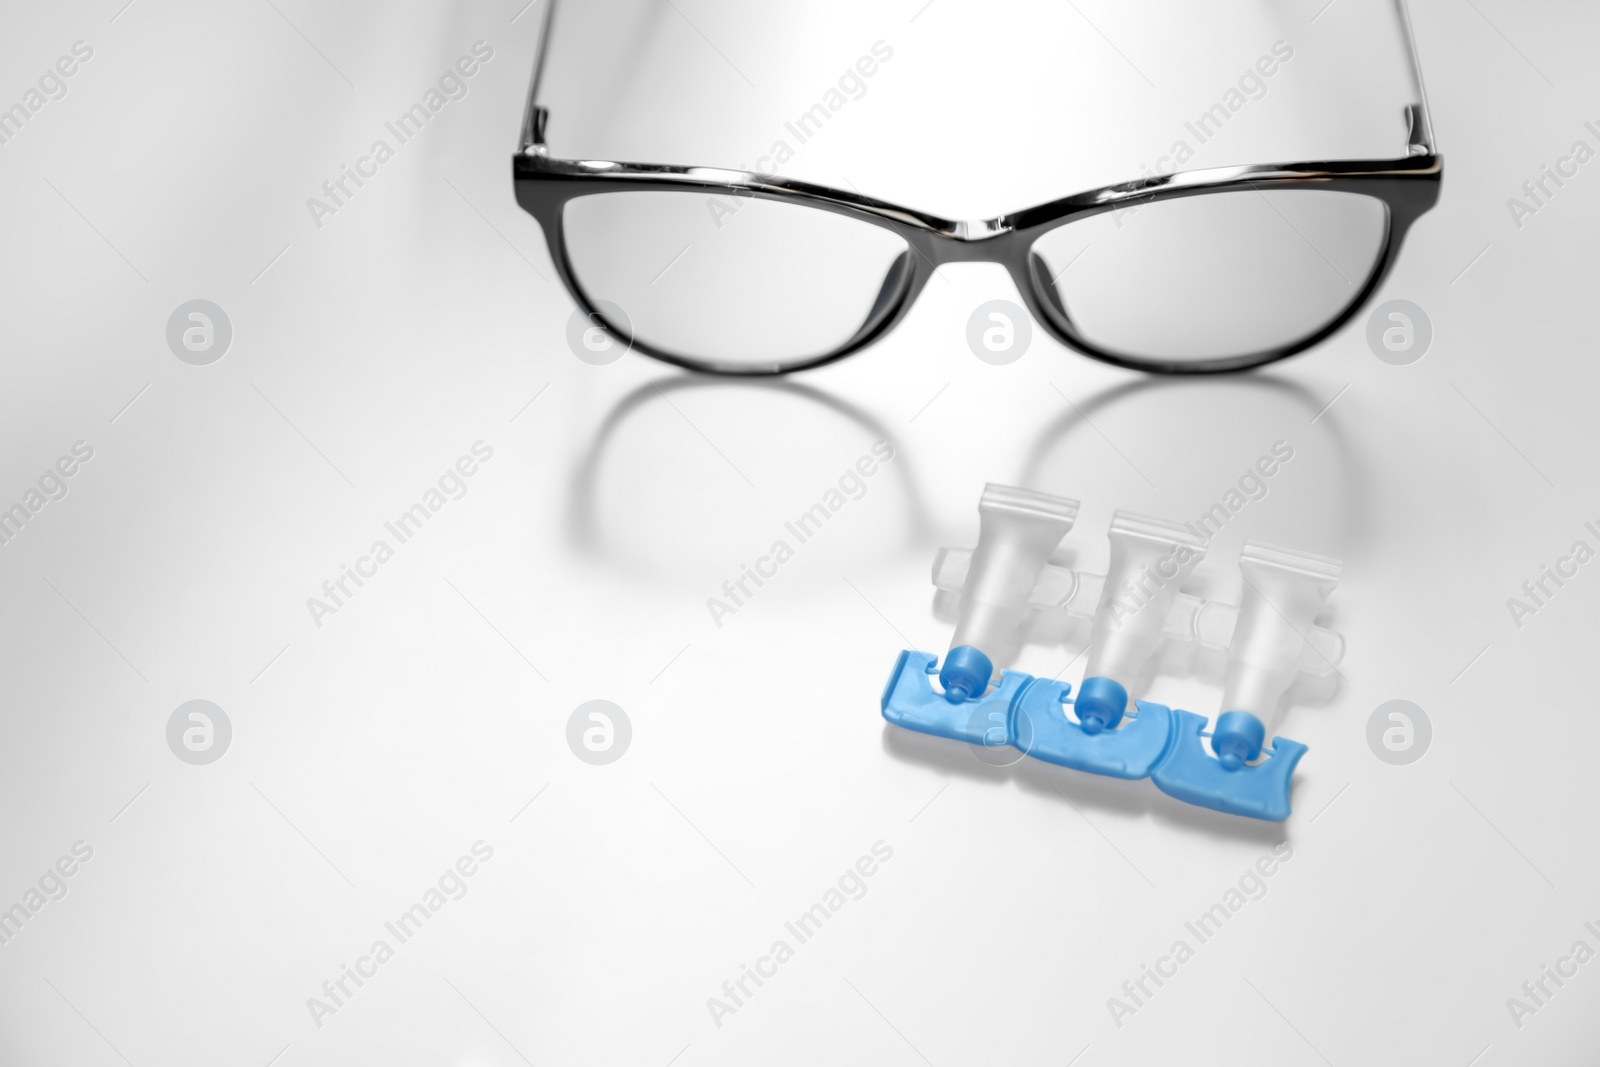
{"x":1220,"y":269}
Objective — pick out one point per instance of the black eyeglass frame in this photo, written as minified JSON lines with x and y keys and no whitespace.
{"x":1408,"y":186}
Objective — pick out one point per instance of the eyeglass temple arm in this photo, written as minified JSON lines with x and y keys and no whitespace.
{"x":1419,"y":125}
{"x":534,"y":118}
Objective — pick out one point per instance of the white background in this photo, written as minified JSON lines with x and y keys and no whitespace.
{"x":372,"y":751}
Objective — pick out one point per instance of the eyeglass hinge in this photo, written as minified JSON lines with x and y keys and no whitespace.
{"x":1419,"y":136}
{"x":533,"y":142}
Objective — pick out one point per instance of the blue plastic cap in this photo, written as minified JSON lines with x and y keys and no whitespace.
{"x":1237,"y":738}
{"x":1100,"y":704}
{"x":965,"y":674}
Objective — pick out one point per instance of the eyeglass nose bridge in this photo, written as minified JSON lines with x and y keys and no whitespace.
{"x":985,"y":241}
{"x":994,"y":241}
{"x":973,"y":241}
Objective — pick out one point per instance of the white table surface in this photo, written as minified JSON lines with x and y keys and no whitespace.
{"x":429,"y":713}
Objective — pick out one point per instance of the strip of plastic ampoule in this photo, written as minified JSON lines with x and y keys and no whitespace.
{"x":1150,"y":558}
{"x":1018,"y":529}
{"x":1283,"y":591}
{"x":1211,"y":623}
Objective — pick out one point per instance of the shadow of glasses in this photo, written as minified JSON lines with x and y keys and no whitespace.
{"x":587,"y":532}
{"x":1201,"y":411}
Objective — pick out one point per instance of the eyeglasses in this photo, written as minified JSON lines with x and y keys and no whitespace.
{"x":740,"y":273}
